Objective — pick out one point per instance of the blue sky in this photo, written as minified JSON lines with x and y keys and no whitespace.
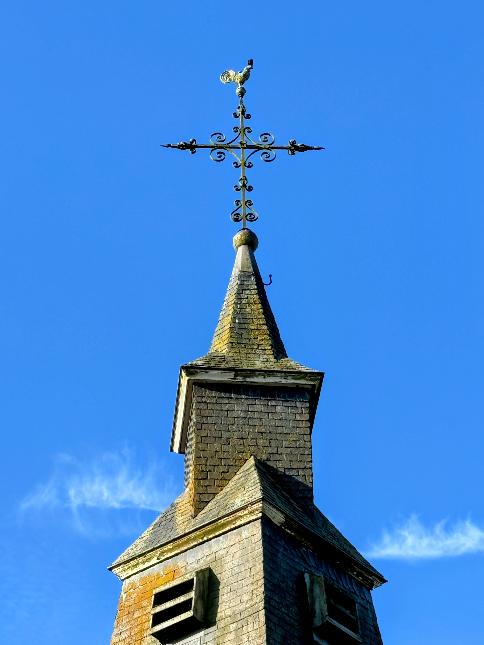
{"x":115,"y":255}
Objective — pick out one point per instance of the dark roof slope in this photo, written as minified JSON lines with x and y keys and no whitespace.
{"x":247,"y":335}
{"x":251,"y":484}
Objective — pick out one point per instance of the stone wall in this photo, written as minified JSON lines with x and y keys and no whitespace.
{"x":236,"y":594}
{"x":285,"y":561}
{"x":230,"y":423}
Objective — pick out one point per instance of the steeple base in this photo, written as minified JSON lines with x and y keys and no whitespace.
{"x":252,"y":567}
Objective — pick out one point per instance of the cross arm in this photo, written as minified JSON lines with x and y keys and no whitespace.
{"x":193,"y":146}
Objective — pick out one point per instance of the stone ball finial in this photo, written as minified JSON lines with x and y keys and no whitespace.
{"x":245,"y":237}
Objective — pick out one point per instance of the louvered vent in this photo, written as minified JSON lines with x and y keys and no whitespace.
{"x":179,"y":609}
{"x":333,"y":611}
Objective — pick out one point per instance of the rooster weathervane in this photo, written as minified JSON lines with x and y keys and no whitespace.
{"x":242,"y":147}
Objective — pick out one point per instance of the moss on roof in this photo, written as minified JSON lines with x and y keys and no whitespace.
{"x":247,"y":335}
{"x":253,"y":483}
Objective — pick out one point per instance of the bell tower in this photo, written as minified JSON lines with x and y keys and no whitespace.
{"x":243,"y":556}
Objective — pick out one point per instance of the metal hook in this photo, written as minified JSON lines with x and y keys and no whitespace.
{"x":270,"y":280}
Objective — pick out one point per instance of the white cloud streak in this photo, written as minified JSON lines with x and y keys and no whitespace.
{"x":92,"y":493}
{"x":411,"y":540}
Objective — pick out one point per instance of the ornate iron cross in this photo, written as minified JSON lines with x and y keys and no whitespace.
{"x":242,"y":147}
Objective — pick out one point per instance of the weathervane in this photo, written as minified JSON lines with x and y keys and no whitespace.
{"x":242,"y":147}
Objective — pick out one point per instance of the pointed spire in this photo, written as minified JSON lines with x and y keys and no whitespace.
{"x":246,"y":328}
{"x":247,"y":335}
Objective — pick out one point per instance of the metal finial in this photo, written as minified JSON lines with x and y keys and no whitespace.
{"x":246,"y":237}
{"x":240,"y":145}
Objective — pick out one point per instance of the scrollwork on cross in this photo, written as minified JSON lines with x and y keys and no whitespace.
{"x":242,"y":147}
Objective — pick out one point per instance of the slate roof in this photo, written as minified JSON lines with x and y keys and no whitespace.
{"x":247,"y":335}
{"x":252,"y":483}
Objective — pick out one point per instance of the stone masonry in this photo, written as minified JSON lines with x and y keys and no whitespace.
{"x":288,"y":622}
{"x":231,"y":423}
{"x":236,"y":599}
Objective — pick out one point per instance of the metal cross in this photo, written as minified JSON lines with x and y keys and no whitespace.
{"x":242,"y":147}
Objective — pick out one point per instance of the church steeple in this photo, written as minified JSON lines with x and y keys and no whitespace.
{"x":243,"y":555}
{"x":245,"y":370}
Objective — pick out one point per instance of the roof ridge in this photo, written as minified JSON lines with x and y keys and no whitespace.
{"x":242,"y":490}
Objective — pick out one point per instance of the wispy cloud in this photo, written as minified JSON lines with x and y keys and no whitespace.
{"x":107,"y":491}
{"x":411,"y":540}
